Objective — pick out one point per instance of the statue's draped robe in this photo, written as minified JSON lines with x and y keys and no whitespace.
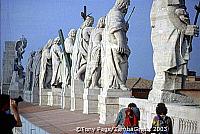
{"x":115,"y":65}
{"x":56,"y":53}
{"x":170,"y":48}
{"x":94,"y":56}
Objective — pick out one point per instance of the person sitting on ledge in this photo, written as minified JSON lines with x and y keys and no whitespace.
{"x":7,"y":120}
{"x":128,"y":118}
{"x":161,"y":124}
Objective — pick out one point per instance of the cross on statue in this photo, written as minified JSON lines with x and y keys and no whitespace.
{"x":84,"y":13}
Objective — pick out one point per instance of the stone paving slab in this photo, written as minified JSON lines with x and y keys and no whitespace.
{"x":58,"y":121}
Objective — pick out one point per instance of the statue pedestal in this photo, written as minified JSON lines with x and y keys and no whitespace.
{"x":44,"y":97}
{"x":56,"y":96}
{"x":27,"y":96}
{"x":168,"y":97}
{"x":16,"y":86}
{"x":108,"y":104}
{"x":66,"y":98}
{"x":77,"y":90}
{"x":90,"y":98}
{"x":164,"y":89}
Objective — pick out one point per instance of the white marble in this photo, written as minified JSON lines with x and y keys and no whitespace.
{"x":171,"y":50}
{"x":56,"y":54}
{"x":115,"y":50}
{"x":93,"y":67}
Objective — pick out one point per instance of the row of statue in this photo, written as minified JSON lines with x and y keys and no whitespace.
{"x":100,"y":54}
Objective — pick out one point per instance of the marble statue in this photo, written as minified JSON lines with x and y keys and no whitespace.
{"x":20,"y":49}
{"x":69,"y":41}
{"x":56,"y":54}
{"x":69,"y":44}
{"x":80,"y":49}
{"x":46,"y":67}
{"x":29,"y":72}
{"x":36,"y":69}
{"x":93,"y":68}
{"x":115,"y":47}
{"x":170,"y":36}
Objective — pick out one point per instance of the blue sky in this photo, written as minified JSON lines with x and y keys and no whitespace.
{"x":40,"y":20}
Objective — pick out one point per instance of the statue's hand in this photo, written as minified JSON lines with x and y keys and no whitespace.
{"x":121,"y":49}
{"x":192,"y":30}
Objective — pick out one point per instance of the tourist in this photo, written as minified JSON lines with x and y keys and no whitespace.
{"x":128,"y":118}
{"x":7,"y":120}
{"x":162,"y":124}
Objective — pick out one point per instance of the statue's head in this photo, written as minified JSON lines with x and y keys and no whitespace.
{"x":122,"y":5}
{"x":101,"y":22}
{"x":56,"y":41}
{"x":33,"y":53}
{"x":89,"y":21}
{"x":72,"y":33}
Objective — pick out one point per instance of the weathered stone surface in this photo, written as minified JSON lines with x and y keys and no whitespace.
{"x":43,"y":97}
{"x":56,"y":55}
{"x":7,"y":66}
{"x":46,"y":67}
{"x":93,"y":68}
{"x":108,"y":104}
{"x":90,"y":98}
{"x":79,"y":55}
{"x":170,"y":29}
{"x":115,"y":50}
{"x":77,"y":90}
{"x":17,"y":82}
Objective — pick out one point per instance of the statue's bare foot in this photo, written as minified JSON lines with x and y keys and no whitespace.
{"x":124,"y":88}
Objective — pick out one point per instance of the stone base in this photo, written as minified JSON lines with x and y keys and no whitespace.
{"x":77,"y":90}
{"x":57,"y":96}
{"x":168,"y":97}
{"x":15,"y":93}
{"x":44,"y":97}
{"x":27,"y":96}
{"x":35,"y":95}
{"x":16,"y":86}
{"x":66,"y":98}
{"x":109,"y":104}
{"x":90,"y":98}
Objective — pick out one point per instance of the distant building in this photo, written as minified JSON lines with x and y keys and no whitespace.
{"x":140,"y":87}
{"x":192,"y":87}
{"x":8,"y":63}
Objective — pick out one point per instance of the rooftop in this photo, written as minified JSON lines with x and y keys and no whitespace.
{"x":58,"y":121}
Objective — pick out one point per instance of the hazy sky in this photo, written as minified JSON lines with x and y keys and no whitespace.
{"x":40,"y":20}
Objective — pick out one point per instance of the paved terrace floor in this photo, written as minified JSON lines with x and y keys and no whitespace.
{"x":58,"y":121}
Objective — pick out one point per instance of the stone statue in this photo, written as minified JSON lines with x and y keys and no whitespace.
{"x":69,"y":41}
{"x":20,"y":49}
{"x":56,"y":54}
{"x":93,"y":69}
{"x":46,"y":66}
{"x":115,"y":47}
{"x":29,"y":72}
{"x":170,"y":36}
{"x":80,"y":49}
{"x":36,"y":69}
{"x":69,"y":44}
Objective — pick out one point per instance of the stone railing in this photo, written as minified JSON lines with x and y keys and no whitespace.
{"x":185,"y":119}
{"x":28,"y":128}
